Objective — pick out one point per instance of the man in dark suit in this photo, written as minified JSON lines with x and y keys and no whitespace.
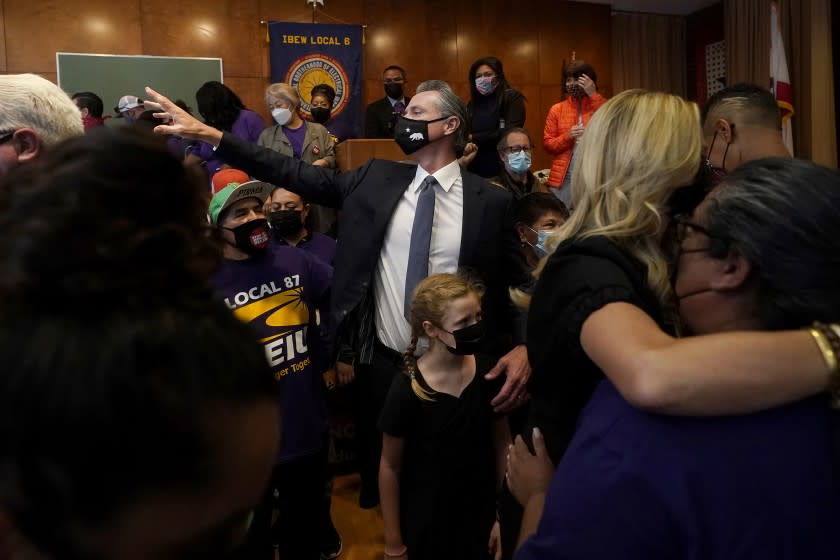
{"x":381,"y":115}
{"x":383,"y":207}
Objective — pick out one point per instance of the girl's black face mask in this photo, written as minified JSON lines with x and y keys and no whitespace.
{"x":468,"y":340}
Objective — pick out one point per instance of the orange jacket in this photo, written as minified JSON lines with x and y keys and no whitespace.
{"x":556,"y":139}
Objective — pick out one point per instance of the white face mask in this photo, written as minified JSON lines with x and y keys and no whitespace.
{"x":281,"y":115}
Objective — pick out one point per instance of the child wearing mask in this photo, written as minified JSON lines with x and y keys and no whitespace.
{"x":536,"y":216}
{"x":443,"y":448}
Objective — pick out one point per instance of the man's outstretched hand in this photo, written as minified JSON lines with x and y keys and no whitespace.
{"x":178,"y":122}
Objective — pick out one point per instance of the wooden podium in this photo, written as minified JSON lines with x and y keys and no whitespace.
{"x":353,"y":153}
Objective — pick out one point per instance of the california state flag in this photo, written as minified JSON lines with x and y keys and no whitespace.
{"x":779,"y":77}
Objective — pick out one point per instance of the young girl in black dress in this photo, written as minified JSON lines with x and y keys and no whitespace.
{"x":443,"y":448}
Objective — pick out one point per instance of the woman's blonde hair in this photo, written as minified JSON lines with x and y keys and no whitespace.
{"x":637,"y":150}
{"x":282,"y":91}
{"x":431,"y":298}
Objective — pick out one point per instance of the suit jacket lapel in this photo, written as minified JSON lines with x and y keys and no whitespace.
{"x":473,"y":211}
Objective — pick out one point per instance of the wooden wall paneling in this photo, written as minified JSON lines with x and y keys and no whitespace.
{"x":492,"y":28}
{"x":534,"y":122}
{"x":35,"y":31}
{"x":2,"y":39}
{"x":228,"y":29}
{"x":419,"y":36}
{"x":462,"y":88}
{"x":574,"y":26}
{"x":439,"y":43}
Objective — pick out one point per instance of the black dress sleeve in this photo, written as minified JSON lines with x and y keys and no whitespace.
{"x":397,"y":416}
{"x":576,"y":282}
{"x":579,"y":278}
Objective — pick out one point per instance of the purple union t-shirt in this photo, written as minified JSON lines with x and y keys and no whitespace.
{"x":276,"y":294}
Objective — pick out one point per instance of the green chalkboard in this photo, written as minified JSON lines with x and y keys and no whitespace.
{"x":112,"y":76}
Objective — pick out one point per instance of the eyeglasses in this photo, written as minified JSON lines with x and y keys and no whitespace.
{"x":683,"y":223}
{"x":6,"y":136}
{"x":516,"y":149}
{"x":394,"y":80}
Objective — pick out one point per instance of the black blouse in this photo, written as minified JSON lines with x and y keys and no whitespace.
{"x":580,"y":277}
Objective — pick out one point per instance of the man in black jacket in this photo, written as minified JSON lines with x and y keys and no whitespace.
{"x":381,"y":115}
{"x":380,"y":202}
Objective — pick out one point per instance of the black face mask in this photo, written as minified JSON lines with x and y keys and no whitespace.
{"x":285,"y":222}
{"x":394,"y":90}
{"x":411,"y":135}
{"x":715,"y":175}
{"x":320,"y":114}
{"x":251,"y":237}
{"x":468,"y":340}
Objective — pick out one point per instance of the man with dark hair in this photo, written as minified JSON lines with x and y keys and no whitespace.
{"x":90,"y":105}
{"x":740,"y":123}
{"x":275,"y":290}
{"x":380,"y":116}
{"x":399,"y":223}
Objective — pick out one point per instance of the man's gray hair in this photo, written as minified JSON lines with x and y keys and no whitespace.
{"x":30,"y":101}
{"x":781,"y":214}
{"x":450,"y":105}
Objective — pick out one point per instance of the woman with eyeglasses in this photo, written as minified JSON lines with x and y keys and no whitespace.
{"x":604,"y":304}
{"x":766,"y":484}
{"x":494,"y":107}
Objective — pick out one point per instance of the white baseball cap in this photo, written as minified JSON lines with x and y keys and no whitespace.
{"x":128,"y":102}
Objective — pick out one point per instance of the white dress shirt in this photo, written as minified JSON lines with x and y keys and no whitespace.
{"x":392,"y":328}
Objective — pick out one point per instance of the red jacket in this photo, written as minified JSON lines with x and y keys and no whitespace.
{"x":556,"y":139}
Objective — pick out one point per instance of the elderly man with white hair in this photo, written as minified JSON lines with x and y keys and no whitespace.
{"x":34,"y":115}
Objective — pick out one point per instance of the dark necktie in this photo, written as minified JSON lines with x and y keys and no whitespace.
{"x":421,"y":238}
{"x":399,"y":107}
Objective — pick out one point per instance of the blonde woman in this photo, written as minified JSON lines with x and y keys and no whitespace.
{"x":602,"y":302}
{"x":295,"y":137}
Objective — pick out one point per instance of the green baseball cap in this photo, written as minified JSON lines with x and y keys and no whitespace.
{"x":233,"y":193}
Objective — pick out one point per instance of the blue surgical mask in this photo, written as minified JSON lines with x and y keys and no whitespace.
{"x":539,"y":246}
{"x":520,"y":162}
